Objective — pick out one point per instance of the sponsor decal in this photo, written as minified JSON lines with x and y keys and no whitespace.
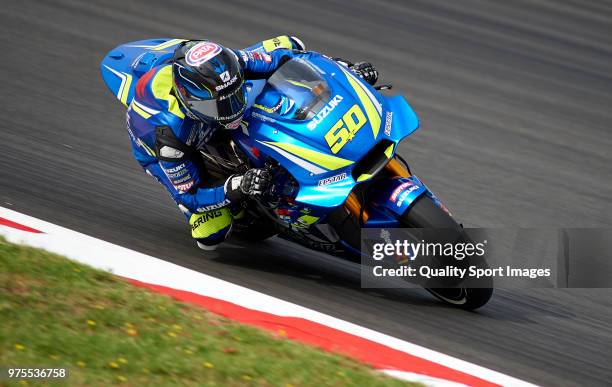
{"x":185,"y":187}
{"x":260,"y":56}
{"x":278,"y":106}
{"x":324,"y":112}
{"x":262,"y":117}
{"x":399,"y":190}
{"x":213,"y":206}
{"x":244,"y":56}
{"x":413,"y":188}
{"x":202,"y":53}
{"x":233,"y":116}
{"x":285,"y":218}
{"x":177,"y":174}
{"x":131,"y":133}
{"x":388,"y":122}
{"x":205,"y":218}
{"x":405,"y":194}
{"x":234,"y":124}
{"x":332,"y":179}
{"x":225,"y":76}
{"x":175,"y":169}
{"x":276,"y":42}
{"x":402,"y":198}
{"x":227,"y":82}
{"x":255,"y":56}
{"x":182,"y":179}
{"x":270,"y":109}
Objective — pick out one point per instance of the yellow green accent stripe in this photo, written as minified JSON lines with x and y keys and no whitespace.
{"x":151,"y":152}
{"x":138,"y":110}
{"x":367,"y":103}
{"x":389,"y":151}
{"x":126,"y":89}
{"x":161,"y":85}
{"x":324,"y":160}
{"x":299,"y":84}
{"x":167,"y":44}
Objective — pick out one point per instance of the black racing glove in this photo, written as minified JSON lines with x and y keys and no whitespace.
{"x":366,"y":71}
{"x":254,"y":182}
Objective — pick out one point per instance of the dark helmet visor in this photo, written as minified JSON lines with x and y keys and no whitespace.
{"x":224,"y":109}
{"x":231,"y":106}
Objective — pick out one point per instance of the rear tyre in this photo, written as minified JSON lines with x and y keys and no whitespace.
{"x":424,"y":213}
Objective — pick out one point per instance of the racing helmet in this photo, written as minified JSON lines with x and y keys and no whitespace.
{"x":209,"y":82}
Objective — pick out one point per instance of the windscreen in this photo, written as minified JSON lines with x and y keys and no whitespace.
{"x":302,"y":84}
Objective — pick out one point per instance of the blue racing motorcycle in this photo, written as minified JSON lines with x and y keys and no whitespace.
{"x":329,"y":140}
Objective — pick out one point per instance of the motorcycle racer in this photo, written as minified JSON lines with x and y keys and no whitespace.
{"x":179,"y":106}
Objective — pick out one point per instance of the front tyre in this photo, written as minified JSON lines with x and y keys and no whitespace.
{"x":424,"y":213}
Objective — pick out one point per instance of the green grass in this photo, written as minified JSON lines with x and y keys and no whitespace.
{"x":55,"y":312}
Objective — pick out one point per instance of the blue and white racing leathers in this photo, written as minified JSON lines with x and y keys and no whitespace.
{"x":155,"y":108}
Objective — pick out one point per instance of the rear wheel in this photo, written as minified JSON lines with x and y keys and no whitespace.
{"x":424,"y":213}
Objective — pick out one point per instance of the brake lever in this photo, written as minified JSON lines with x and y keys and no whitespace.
{"x":386,"y":86}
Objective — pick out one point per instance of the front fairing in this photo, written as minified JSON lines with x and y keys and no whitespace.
{"x":302,"y":146}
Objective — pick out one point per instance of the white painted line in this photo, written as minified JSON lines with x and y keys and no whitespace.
{"x":424,"y":379}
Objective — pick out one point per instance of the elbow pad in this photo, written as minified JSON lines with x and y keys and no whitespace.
{"x":168,"y":147}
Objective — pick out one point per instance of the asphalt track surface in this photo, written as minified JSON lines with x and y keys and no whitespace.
{"x":515,"y":100}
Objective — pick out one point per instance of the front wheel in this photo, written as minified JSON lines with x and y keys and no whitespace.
{"x":424,"y":213}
